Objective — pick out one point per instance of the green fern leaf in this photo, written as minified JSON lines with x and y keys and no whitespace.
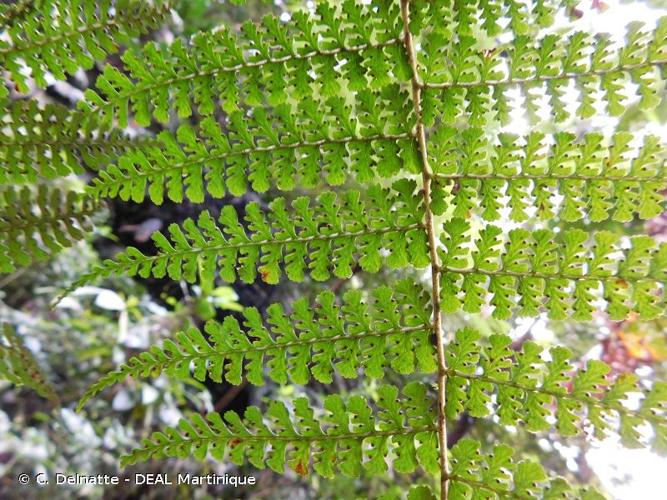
{"x":421,"y":492}
{"x":46,"y":143}
{"x":322,"y":240}
{"x":19,"y":366}
{"x":286,"y":147}
{"x":327,"y":48}
{"x":491,"y":378}
{"x":564,"y":274}
{"x":569,"y":179}
{"x":15,"y":10}
{"x":345,"y":436}
{"x":550,"y":63}
{"x":60,"y":36}
{"x":496,"y":475}
{"x":34,"y":226}
{"x":391,"y":330}
{"x":406,"y":99}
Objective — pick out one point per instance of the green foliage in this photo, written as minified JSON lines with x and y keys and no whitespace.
{"x":60,"y":36}
{"x":320,"y":240}
{"x":19,"y":366}
{"x":34,"y":226}
{"x":38,"y":144}
{"x":545,"y":177}
{"x":392,"y":330}
{"x":51,"y":142}
{"x":273,"y":61}
{"x":345,"y":435}
{"x":492,"y":379}
{"x":398,"y":107}
{"x":562,"y":273}
{"x":322,"y":99}
{"x":474,"y":84}
{"x":495,"y":475}
{"x":289,"y":146}
{"x":15,"y":10}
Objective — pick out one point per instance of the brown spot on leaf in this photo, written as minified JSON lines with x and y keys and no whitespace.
{"x":265,"y":275}
{"x":301,"y":469}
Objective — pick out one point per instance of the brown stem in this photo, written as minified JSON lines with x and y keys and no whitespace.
{"x":420,"y":135}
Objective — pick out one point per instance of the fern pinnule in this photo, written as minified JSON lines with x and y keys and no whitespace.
{"x":543,"y":177}
{"x":276,"y":57}
{"x":477,"y":80}
{"x":496,"y":474}
{"x":536,"y":271}
{"x":15,"y":10}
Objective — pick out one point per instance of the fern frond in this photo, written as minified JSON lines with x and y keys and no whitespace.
{"x":527,"y":387}
{"x":377,"y":91}
{"x":45,"y":143}
{"x":391,"y":330}
{"x":18,"y":365}
{"x":557,"y":175}
{"x":352,"y":46}
{"x":475,"y":82}
{"x":320,"y":240}
{"x":475,"y":474}
{"x":346,"y":435}
{"x":61,"y":36}
{"x":36,"y":226}
{"x":302,"y":145}
{"x":563,"y":273}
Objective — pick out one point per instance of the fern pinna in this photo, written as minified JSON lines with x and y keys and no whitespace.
{"x":393,"y":121}
{"x":19,"y":366}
